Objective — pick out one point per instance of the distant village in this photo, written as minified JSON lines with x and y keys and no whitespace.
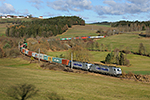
{"x":14,"y":16}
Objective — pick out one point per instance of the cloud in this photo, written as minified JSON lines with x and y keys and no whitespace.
{"x":2,"y":0}
{"x":36,"y":3}
{"x":73,"y":5}
{"x":119,"y":8}
{"x":6,"y":8}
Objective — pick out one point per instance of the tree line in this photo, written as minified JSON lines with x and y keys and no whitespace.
{"x":128,"y":26}
{"x":43,"y":27}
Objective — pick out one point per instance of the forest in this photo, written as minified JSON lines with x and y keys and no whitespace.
{"x":43,"y":27}
{"x":129,"y":26}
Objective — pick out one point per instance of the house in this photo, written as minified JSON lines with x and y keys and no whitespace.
{"x":15,"y":16}
{"x":27,"y":17}
{"x":9,"y":16}
{"x":3,"y":17}
{"x":41,"y":17}
{"x":20,"y":16}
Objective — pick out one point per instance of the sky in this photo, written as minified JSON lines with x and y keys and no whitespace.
{"x":89,"y":10}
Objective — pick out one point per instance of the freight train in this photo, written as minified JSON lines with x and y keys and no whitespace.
{"x":82,"y":37}
{"x":98,"y":68}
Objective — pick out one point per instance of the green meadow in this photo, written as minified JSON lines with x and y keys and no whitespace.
{"x":122,"y":41}
{"x":72,"y":86}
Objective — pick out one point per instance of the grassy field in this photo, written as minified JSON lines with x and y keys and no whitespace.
{"x":75,"y":86}
{"x":87,"y":30}
{"x":122,"y":41}
{"x":71,"y":86}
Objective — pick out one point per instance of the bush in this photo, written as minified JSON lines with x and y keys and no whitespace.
{"x":6,"y":46}
{"x":126,"y":62}
{"x":22,"y":91}
{"x":12,"y":52}
{"x":1,"y":53}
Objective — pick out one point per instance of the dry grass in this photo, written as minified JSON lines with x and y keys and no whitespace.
{"x":3,"y":29}
{"x":71,"y":86}
{"x":87,"y":30}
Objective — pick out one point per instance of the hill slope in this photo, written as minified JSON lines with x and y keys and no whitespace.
{"x":72,"y":86}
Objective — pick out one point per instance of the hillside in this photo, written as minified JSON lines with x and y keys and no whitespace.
{"x":87,"y":30}
{"x":78,"y":86}
{"x":130,"y":42}
{"x":43,"y":27}
{"x":71,"y":86}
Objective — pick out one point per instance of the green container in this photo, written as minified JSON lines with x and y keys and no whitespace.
{"x":45,"y":57}
{"x":57,"y":60}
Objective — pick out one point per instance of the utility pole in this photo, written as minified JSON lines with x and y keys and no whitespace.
{"x":71,"y":60}
{"x":39,"y":55}
{"x":19,"y":45}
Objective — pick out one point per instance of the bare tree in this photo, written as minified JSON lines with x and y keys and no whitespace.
{"x":79,"y":54}
{"x":141,"y":49}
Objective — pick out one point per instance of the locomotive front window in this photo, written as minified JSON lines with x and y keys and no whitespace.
{"x":118,"y":70}
{"x":114,"y":69}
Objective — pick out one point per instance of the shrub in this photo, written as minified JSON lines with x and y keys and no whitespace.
{"x":12,"y":52}
{"x":1,"y":53}
{"x":126,"y":62}
{"x":22,"y":91}
{"x":6,"y":46}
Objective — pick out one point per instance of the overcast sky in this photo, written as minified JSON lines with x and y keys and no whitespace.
{"x":89,"y":10}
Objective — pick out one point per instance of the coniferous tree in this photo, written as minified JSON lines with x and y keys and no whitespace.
{"x":108,"y":58}
{"x":121,"y":61}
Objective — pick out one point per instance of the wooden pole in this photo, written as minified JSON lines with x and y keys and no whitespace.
{"x":71,"y":60}
{"x":19,"y":45}
{"x":39,"y":55}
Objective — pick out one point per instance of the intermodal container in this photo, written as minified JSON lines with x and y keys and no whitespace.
{"x":30,"y":53}
{"x":45,"y":57}
{"x":23,"y":50}
{"x":65,"y":62}
{"x":57,"y":60}
{"x":77,"y":37}
{"x":69,"y":38}
{"x":36,"y":56}
{"x":33,"y":54}
{"x":50,"y":59}
{"x":26,"y":51}
{"x":40,"y":56}
{"x":84,"y":37}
